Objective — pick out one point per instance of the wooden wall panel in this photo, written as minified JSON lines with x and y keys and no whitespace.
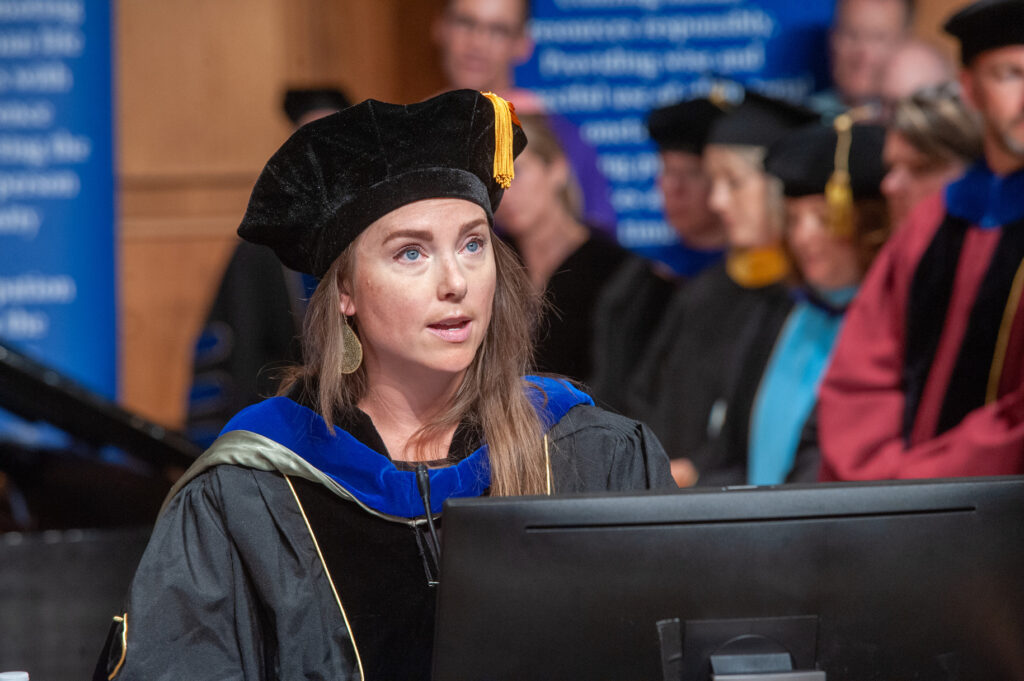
{"x":931,"y":14}
{"x":199,"y":87}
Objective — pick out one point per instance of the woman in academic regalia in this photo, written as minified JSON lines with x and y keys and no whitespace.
{"x":297,"y":546}
{"x":836,"y":222}
{"x":696,"y":373}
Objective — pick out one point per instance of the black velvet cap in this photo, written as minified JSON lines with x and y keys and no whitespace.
{"x":335,"y":176}
{"x":805,"y":159}
{"x":986,"y":25}
{"x":683,"y":126}
{"x":759,"y":121}
{"x":300,"y":101}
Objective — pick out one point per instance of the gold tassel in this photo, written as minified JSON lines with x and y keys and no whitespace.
{"x":504,"y":117}
{"x":838,"y":192}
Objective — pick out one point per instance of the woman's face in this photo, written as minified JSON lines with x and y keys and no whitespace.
{"x":826,"y":262}
{"x":739,"y":197}
{"x":912,"y":176}
{"x":534,"y":194}
{"x":422,"y":288}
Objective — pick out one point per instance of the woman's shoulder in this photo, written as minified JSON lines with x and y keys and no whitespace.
{"x":568,"y":409}
{"x":593,"y":449}
{"x":603,"y":423}
{"x":217,"y":486}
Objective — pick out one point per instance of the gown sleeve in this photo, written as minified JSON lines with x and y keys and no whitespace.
{"x":228,"y":589}
{"x":860,"y":412}
{"x":593,"y":450}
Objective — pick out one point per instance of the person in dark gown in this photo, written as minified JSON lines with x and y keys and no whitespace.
{"x":301,"y":544}
{"x":634,"y":299}
{"x":564,"y":259}
{"x":252,"y":328}
{"x":710,"y":348}
{"x":832,"y":237}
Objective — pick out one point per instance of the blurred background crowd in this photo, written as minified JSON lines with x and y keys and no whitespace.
{"x":739,"y":349}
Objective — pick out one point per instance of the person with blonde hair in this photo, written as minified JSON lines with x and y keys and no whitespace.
{"x":932,"y":138}
{"x":303,"y":544}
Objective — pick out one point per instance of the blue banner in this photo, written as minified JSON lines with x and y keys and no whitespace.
{"x":57,"y":267}
{"x":604,"y":64}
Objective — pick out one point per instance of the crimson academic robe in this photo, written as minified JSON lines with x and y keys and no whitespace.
{"x":927,"y":379}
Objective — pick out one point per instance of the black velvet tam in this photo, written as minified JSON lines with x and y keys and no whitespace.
{"x":335,"y":176}
{"x":683,"y":126}
{"x":805,"y":159}
{"x":300,"y":101}
{"x":759,"y":121}
{"x":986,"y":25}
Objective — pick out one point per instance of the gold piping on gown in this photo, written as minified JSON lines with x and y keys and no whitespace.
{"x":330,"y":580}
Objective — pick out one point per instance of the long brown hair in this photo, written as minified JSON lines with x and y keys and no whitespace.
{"x":492,"y":395}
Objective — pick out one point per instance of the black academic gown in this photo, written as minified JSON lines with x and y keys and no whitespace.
{"x":566,"y":327}
{"x":251,"y":331}
{"x":702,"y":368}
{"x":626,"y":315}
{"x":274,"y":563}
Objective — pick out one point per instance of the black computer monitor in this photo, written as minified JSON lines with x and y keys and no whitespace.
{"x":910,"y":580}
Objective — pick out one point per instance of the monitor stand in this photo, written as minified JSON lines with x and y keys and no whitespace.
{"x":763,"y":649}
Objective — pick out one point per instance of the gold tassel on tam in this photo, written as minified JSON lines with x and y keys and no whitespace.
{"x":838,"y":193}
{"x":504,"y":117}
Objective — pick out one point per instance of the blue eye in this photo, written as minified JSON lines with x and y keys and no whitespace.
{"x":410,"y":254}
{"x":474,"y":246}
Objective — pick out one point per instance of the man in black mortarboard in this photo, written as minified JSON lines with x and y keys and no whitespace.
{"x":928,"y":375}
{"x":680,"y":132}
{"x":634,"y":300}
{"x":256,"y":316}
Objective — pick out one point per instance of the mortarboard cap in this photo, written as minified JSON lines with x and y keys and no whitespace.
{"x":759,"y":121}
{"x":335,"y":176}
{"x":986,"y":25}
{"x":300,"y":101}
{"x":683,"y":126}
{"x":805,"y":160}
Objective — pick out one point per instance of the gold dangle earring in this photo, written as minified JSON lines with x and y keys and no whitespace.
{"x":352,"y":349}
